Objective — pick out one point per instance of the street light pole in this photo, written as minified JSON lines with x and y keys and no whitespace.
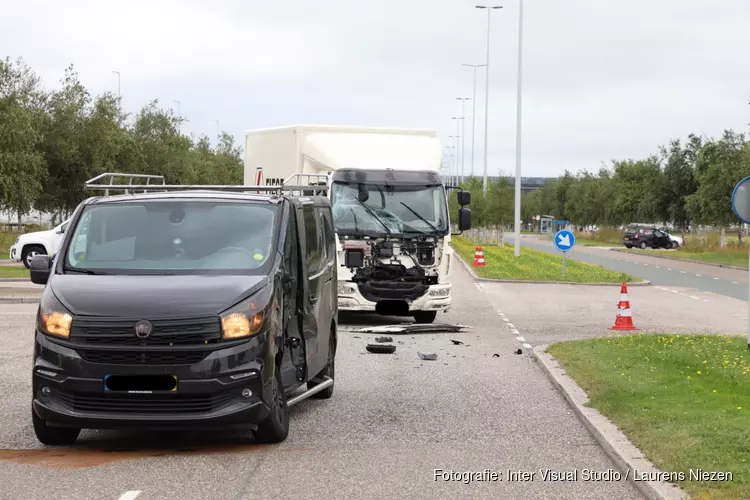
{"x":518,"y":133}
{"x":463,"y":135}
{"x":178,"y":108}
{"x":487,"y":92}
{"x":473,"y":112}
{"x":453,"y":157}
{"x":118,"y":82}
{"x":459,"y":150}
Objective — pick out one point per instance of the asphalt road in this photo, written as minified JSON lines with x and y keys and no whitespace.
{"x":392,"y":421}
{"x":663,"y":272}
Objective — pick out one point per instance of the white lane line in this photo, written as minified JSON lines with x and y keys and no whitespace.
{"x":520,"y":339}
{"x":683,"y":272}
{"x":694,"y":297}
{"x":674,"y":291}
{"x":478,"y":285}
{"x":716,"y":279}
{"x":669,"y":269}
{"x":506,"y":319}
{"x":698,"y":275}
{"x":527,"y":346}
{"x":130,"y":495}
{"x":510,"y":325}
{"x":657,"y":267}
{"x":734,"y":282}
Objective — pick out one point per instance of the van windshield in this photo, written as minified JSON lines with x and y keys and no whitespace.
{"x":173,"y":237}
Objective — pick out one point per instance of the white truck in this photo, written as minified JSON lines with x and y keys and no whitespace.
{"x":390,"y":209}
{"x":28,"y":245}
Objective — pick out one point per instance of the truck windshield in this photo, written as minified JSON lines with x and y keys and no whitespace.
{"x":377,"y":208}
{"x":173,"y":237}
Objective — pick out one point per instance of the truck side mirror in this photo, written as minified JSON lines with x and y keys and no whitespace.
{"x":464,"y":219}
{"x":39,"y":266}
{"x":464,"y":198}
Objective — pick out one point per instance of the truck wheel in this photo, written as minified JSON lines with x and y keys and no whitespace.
{"x":275,"y":428}
{"x":30,"y":251}
{"x":425,"y":316}
{"x":328,"y":371}
{"x":53,"y":436}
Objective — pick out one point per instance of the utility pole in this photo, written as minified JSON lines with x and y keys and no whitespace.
{"x":487,"y":92}
{"x":474,"y":112}
{"x":178,"y":108}
{"x":463,"y":135}
{"x":517,"y":216}
{"x":118,"y":82}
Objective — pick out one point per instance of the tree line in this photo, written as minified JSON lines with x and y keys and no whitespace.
{"x":51,"y":142}
{"x":687,"y":182}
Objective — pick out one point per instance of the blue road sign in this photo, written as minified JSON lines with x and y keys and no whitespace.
{"x":561,"y":222}
{"x":741,"y":200}
{"x":564,"y":240}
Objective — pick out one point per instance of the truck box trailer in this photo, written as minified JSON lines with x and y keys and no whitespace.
{"x":390,"y":209}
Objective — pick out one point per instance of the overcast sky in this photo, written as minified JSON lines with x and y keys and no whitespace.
{"x":603,"y":79}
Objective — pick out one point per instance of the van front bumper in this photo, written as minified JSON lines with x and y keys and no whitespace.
{"x":15,"y":253}
{"x":437,"y":298}
{"x":224,"y":390}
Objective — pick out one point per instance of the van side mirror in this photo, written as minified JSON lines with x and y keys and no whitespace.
{"x":40,"y":266}
{"x":464,"y":198}
{"x":464,"y":220}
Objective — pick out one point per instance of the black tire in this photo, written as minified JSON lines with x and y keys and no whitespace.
{"x":328,"y":371}
{"x":643,"y":245}
{"x":424,"y":317}
{"x":53,"y":436}
{"x":29,"y":251}
{"x":675,"y":245}
{"x":628,"y":246}
{"x":275,"y":428}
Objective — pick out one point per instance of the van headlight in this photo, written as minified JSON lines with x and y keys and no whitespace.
{"x":53,"y":319}
{"x":246,"y":318}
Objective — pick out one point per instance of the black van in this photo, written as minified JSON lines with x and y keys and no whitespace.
{"x":185,"y":310}
{"x":645,"y":237}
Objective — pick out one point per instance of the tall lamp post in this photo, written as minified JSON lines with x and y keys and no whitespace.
{"x":473,"y":112}
{"x":517,"y":216}
{"x":487,"y":91}
{"x":459,"y":150}
{"x":454,"y":151}
{"x":118,"y":82}
{"x":463,"y":135}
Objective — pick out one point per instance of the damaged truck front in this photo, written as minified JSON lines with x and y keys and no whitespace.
{"x":390,"y":209}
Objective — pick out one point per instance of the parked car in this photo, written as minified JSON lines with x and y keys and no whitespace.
{"x":29,"y":245}
{"x":645,"y":237}
{"x":676,"y":240}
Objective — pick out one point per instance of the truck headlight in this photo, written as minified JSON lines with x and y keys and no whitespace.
{"x":439,"y":291}
{"x":53,"y":319}
{"x":246,"y":318}
{"x":347,"y":289}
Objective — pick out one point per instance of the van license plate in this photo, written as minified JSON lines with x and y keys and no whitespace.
{"x":140,"y":384}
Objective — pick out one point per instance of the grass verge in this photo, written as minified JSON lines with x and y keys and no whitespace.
{"x":731,"y":258}
{"x":684,"y":401}
{"x":533,"y":265}
{"x":19,"y":271}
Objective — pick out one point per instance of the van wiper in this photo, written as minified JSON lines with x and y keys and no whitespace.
{"x":86,"y":271}
{"x":374,"y":216}
{"x":420,"y":217}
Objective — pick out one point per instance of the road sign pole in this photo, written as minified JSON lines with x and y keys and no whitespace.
{"x":564,"y":254}
{"x":741,"y":208}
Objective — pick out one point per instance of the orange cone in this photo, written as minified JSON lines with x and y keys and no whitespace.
{"x":478,"y":257}
{"x":624,"y":320}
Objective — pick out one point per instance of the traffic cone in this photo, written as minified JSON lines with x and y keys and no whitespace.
{"x":624,"y":320}
{"x":478,"y":257}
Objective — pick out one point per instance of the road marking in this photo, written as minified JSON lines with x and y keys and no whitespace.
{"x":716,"y":278}
{"x":698,"y":275}
{"x":478,"y":285}
{"x":657,"y":267}
{"x":669,"y":269}
{"x":527,"y":346}
{"x":734,"y":282}
{"x":674,"y":291}
{"x":520,"y":339}
{"x":510,"y":325}
{"x":694,"y":297}
{"x":130,"y":495}
{"x":683,"y":272}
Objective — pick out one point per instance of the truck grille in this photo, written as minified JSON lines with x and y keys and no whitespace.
{"x":144,"y":403}
{"x":116,"y":331}
{"x":143,"y":357}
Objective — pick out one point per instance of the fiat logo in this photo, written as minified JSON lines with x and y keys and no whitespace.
{"x":143,"y":329}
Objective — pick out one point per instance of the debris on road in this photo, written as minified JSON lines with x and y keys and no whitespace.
{"x":381,"y":349}
{"x":519,"y":351}
{"x":412,"y":328}
{"x":496,"y":355}
{"x":383,"y":340}
{"x":456,"y":342}
{"x":428,"y":357}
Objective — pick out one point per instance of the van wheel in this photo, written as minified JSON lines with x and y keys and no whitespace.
{"x":275,"y":428}
{"x":328,"y":371}
{"x":675,"y":245}
{"x":425,"y":316}
{"x":53,"y":436}
{"x":643,"y":245}
{"x":29,"y":252}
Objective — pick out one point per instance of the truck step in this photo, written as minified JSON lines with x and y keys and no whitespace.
{"x":327,"y":382}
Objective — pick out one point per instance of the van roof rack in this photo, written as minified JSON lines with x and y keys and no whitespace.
{"x":154,"y":183}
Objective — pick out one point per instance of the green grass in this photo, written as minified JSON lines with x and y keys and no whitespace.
{"x":533,"y":265}
{"x":727,"y":257}
{"x":684,"y":401}
{"x":18,"y":271}
{"x":6,"y":241}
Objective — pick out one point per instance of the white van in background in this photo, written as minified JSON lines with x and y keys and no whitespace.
{"x":37,"y":243}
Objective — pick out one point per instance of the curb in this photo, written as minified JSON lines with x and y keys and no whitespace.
{"x":20,"y":300}
{"x":690,"y":261}
{"x":623,"y":453}
{"x":498,"y":280}
{"x":13,"y":279}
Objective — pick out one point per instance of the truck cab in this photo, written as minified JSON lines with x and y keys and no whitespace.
{"x":185,"y":309}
